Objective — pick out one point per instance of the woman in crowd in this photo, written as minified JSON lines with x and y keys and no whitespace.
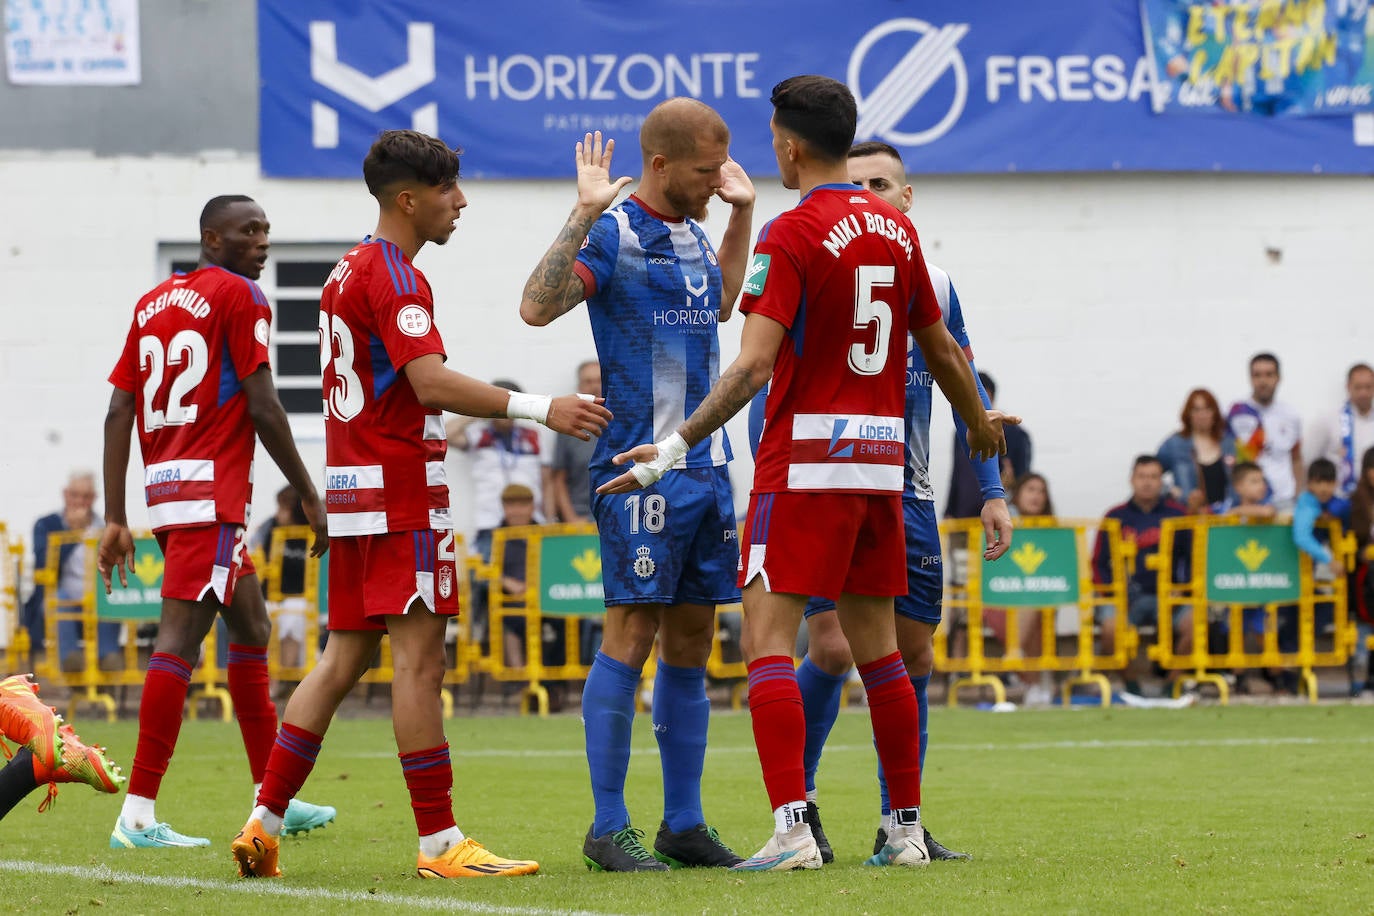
{"x":1200,"y":455}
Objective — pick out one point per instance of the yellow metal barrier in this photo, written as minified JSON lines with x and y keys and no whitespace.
{"x":1231,"y":559}
{"x":1051,"y":559}
{"x":14,"y":639}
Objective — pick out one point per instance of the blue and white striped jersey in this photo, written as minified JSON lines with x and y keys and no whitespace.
{"x":653,"y":295}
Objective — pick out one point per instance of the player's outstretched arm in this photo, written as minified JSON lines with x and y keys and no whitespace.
{"x":443,"y":389}
{"x":553,"y":289}
{"x":737,"y":191}
{"x":737,"y":385}
{"x":952,"y":373}
{"x":274,"y":429}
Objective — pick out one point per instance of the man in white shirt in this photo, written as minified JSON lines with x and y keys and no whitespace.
{"x":1343,"y":436}
{"x":1269,"y":432}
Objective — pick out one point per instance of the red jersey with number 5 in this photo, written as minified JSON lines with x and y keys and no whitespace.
{"x":385,"y":450}
{"x":194,"y":338}
{"x":843,"y":272}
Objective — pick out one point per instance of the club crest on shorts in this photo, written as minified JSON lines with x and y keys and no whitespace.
{"x":644,"y":564}
{"x":445,"y":582}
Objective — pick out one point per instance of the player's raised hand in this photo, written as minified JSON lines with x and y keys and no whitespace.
{"x":319,"y":524}
{"x":996,"y":528}
{"x":578,"y":415}
{"x":116,"y":552}
{"x":594,"y":185}
{"x":988,"y":441}
{"x":642,"y":456}
{"x":735,"y":189}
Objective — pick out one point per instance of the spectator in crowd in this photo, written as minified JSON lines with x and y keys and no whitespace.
{"x":502,"y":451}
{"x":1199,"y":456}
{"x":77,"y":515}
{"x":1345,"y":435}
{"x":517,"y":503}
{"x":1362,"y":591}
{"x":1030,"y":496}
{"x":1318,"y":505}
{"x":965,"y":498}
{"x":290,"y":621}
{"x":1140,"y":518}
{"x":1268,"y":432}
{"x":570,"y":490}
{"x":1249,"y":494}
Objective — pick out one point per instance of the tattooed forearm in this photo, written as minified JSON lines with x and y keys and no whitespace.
{"x":727,"y":397}
{"x":552,"y":288}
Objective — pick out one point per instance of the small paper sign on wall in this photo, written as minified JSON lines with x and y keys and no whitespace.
{"x":61,"y":43}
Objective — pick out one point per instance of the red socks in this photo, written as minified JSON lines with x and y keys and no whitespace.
{"x":892,"y":707}
{"x":429,"y":777}
{"x":159,"y":722}
{"x":293,"y":757}
{"x":250,"y":691}
{"x":775,"y":705}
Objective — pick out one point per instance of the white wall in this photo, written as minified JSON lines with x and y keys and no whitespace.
{"x":1096,"y":301}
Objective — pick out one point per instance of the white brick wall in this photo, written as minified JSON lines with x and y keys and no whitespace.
{"x":1096,"y":301}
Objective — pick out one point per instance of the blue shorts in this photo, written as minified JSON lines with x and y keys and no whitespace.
{"x":925,"y":576}
{"x":671,"y":543}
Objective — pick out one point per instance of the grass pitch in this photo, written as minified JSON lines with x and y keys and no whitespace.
{"x":1208,"y":809}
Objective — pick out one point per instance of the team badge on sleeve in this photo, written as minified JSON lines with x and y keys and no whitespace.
{"x":261,"y":331}
{"x":757,"y":274}
{"x":413,"y":321}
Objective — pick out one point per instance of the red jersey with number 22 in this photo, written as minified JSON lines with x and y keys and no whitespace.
{"x":843,"y":272}
{"x":384,"y":449}
{"x":193,"y":339}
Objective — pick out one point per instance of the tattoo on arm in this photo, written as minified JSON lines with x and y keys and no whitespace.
{"x":727,"y":397}
{"x":554,"y":286}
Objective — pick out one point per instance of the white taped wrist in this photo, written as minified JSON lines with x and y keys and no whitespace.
{"x":670,"y":452}
{"x":528,"y":406}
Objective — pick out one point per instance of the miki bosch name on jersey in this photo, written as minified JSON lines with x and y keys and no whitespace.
{"x":848,"y":229}
{"x":181,"y":297}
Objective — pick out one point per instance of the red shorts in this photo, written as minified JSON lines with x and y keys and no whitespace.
{"x":205,"y":560}
{"x":823,"y":544}
{"x":372,"y":576}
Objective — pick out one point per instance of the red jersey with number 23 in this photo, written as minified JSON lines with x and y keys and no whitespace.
{"x":843,"y":272}
{"x":384,"y":449}
{"x":193,"y":339}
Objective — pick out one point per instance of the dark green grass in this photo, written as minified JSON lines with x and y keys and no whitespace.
{"x":1239,"y":810}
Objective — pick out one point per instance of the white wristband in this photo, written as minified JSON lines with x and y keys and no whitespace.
{"x":670,"y":451}
{"x":528,"y":406}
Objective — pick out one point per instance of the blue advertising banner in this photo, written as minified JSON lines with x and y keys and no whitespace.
{"x":1263,"y":57}
{"x":956,"y":85}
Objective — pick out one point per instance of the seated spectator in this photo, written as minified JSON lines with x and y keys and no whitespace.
{"x":965,"y":497}
{"x":1030,"y":496}
{"x":1249,"y":494}
{"x":290,"y":620}
{"x":517,"y":503}
{"x":1198,"y":457}
{"x":77,"y":515}
{"x":1140,"y":518}
{"x":1362,"y":589}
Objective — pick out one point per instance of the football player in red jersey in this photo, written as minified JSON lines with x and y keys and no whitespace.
{"x":841,"y":277}
{"x":196,"y":378}
{"x":394,"y":566}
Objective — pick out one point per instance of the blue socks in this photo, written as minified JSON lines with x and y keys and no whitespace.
{"x":821,"y":701}
{"x":608,"y":712}
{"x":681,"y":713}
{"x":919,"y":684}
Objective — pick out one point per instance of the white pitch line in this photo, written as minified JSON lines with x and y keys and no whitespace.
{"x":106,"y":875}
{"x":989,"y":747}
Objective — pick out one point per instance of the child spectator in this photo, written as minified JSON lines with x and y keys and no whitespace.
{"x":1318,"y":504}
{"x":1250,"y":494}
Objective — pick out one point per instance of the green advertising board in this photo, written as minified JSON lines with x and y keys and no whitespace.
{"x":570,"y":575}
{"x":1252,"y":564}
{"x":142,"y":599}
{"x":1040,"y":570}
